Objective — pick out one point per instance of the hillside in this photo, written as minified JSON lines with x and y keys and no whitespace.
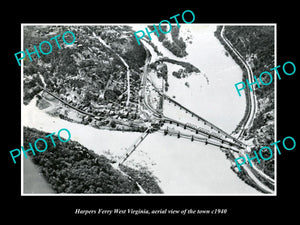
{"x":256,"y":44}
{"x":172,"y":41}
{"x":98,"y":74}
{"x":71,"y":168}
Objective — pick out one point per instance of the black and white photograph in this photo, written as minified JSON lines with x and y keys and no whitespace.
{"x":158,"y":115}
{"x":144,"y":111}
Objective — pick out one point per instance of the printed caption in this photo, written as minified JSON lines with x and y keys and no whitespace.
{"x":136,"y":212}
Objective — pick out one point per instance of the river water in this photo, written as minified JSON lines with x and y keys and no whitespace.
{"x":181,"y":166}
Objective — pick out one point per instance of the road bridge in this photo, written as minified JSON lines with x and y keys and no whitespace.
{"x":207,"y":123}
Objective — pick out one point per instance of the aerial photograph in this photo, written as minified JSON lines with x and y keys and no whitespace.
{"x":155,"y":116}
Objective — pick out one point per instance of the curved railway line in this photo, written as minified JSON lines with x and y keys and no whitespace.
{"x":217,"y":137}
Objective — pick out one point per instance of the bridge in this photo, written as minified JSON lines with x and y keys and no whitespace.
{"x":207,"y":123}
{"x":206,"y":133}
{"x":132,"y":148}
{"x":220,"y":138}
{"x":173,"y":132}
{"x":207,"y":137}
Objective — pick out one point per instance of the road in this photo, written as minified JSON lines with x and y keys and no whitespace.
{"x":253,"y":107}
{"x":125,"y":64}
{"x":160,"y":117}
{"x":248,"y":122}
{"x":253,"y":101}
{"x":207,"y":123}
{"x":66,"y":103}
{"x":209,"y":136}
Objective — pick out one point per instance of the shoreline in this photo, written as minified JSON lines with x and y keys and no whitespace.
{"x":246,"y":116}
{"x":242,"y":66}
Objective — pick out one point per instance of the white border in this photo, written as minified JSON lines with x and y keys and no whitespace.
{"x":150,"y":195}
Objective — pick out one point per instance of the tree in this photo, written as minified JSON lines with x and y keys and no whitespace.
{"x":113,"y":124}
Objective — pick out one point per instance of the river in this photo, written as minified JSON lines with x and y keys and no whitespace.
{"x":181,"y":166}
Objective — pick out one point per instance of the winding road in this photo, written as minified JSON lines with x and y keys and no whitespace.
{"x":247,"y":123}
{"x":125,"y":64}
{"x":209,"y":137}
{"x":252,"y":99}
{"x":251,"y":113}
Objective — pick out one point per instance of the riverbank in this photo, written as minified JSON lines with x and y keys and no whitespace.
{"x":71,"y":168}
{"x":198,"y":169}
{"x":244,"y":77}
{"x":34,"y":181}
{"x":259,"y":129}
{"x":180,"y":166}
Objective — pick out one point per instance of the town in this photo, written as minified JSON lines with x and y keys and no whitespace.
{"x":95,"y":81}
{"x":106,"y":80}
